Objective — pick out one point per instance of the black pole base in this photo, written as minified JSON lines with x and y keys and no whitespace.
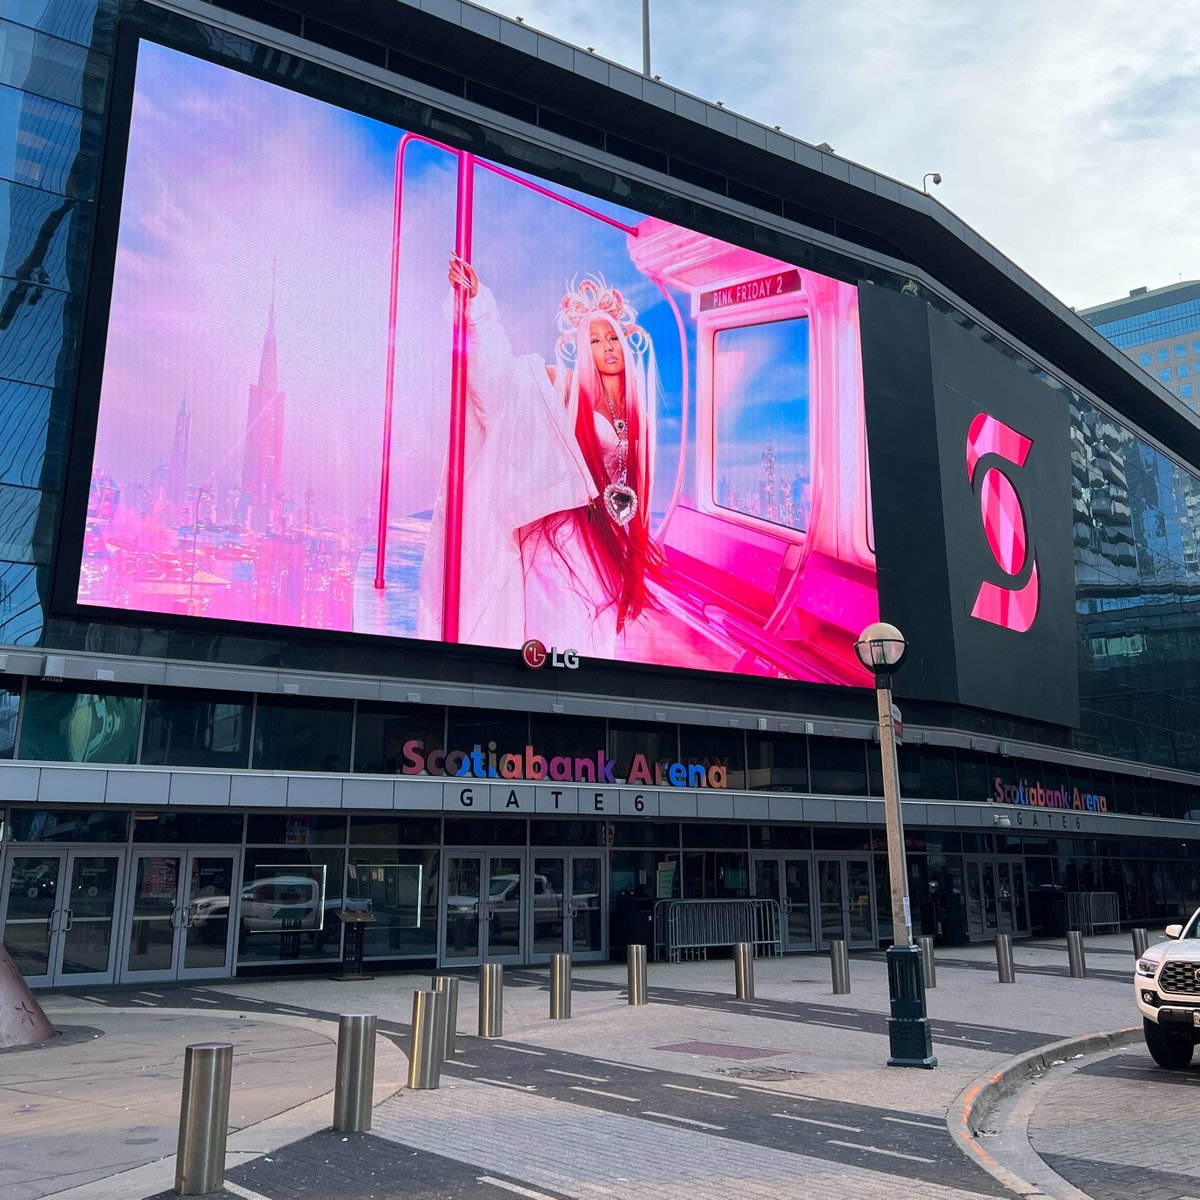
{"x":909,"y":1034}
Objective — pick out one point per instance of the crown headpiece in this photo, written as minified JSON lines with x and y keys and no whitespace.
{"x":592,"y":295}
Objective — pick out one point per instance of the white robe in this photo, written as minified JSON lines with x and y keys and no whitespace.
{"x":522,"y":463}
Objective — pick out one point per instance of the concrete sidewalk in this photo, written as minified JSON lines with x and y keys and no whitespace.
{"x":785,"y":1095}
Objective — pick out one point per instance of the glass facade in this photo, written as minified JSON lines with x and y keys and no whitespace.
{"x":1135,"y":510}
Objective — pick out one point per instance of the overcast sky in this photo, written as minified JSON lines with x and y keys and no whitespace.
{"x":1067,"y":132}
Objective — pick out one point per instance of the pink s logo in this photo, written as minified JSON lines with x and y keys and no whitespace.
{"x":1004,"y":525}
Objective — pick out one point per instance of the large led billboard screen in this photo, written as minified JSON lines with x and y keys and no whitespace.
{"x":357,"y":380}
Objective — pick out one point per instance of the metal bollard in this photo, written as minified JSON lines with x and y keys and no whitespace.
{"x":1140,"y":941}
{"x":743,"y":970}
{"x":635,"y":970}
{"x":1005,"y":967}
{"x":1076,"y":960}
{"x":560,"y":987}
{"x":425,"y":1054}
{"x":354,"y":1076}
{"x":928,"y":963}
{"x":839,"y":962}
{"x":447,"y":985}
{"x":203,"y":1119}
{"x":491,"y":1000}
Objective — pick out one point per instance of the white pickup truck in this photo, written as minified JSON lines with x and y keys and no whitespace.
{"x":1166,"y":984}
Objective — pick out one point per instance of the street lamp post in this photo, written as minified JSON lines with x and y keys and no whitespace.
{"x":881,"y":649}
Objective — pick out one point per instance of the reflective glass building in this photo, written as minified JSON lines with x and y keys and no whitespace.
{"x":270,"y":654}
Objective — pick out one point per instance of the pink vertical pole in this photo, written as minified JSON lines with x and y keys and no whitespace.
{"x":456,"y":454}
{"x":389,"y":386}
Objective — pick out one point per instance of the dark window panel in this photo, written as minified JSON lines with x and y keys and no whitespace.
{"x":26,"y":524}
{"x":25,"y":414}
{"x":469,"y":728}
{"x":381,"y":731}
{"x":295,"y":829}
{"x":35,"y":337}
{"x":287,"y":904}
{"x":395,"y":831}
{"x":68,"y":825}
{"x":565,"y":833}
{"x":714,"y":835}
{"x":503,"y":102}
{"x":185,"y":729}
{"x":778,"y":762}
{"x":646,"y":833}
{"x":636,"y":152}
{"x":302,"y":735}
{"x":832,"y":838}
{"x":656,"y":742}
{"x":711,"y":747}
{"x":422,"y":72}
{"x":401,"y":888}
{"x":47,"y":145}
{"x":569,"y":736}
{"x":485,"y":831}
{"x":689,"y":172}
{"x":838,"y":766}
{"x":197,"y":828}
{"x":569,"y":127}
{"x":345,"y":43}
{"x":780,"y":837}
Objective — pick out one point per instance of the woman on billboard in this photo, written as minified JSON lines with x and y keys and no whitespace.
{"x":556,"y":541}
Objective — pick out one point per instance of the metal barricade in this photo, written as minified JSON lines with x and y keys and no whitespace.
{"x":1076,"y":962}
{"x":354,"y":1075}
{"x":688,"y":929}
{"x":928,"y":963}
{"x":839,"y":965}
{"x":1091,"y":911}
{"x":203,"y":1118}
{"x":1006,"y":968}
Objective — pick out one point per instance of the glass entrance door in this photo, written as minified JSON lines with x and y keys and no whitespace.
{"x":567,"y":909}
{"x":787,"y":878}
{"x":845,"y":901}
{"x":995,"y":897}
{"x":179,"y":924}
{"x":522,"y":906}
{"x":57,"y":907}
{"x":483,"y":915}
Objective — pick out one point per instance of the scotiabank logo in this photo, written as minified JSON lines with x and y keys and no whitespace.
{"x":1012,"y":606}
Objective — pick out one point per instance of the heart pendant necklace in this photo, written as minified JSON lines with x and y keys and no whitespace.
{"x":619,"y":498}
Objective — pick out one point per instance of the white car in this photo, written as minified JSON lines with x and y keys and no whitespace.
{"x":1166,"y":985}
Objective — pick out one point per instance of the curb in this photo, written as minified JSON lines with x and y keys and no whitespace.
{"x":976,"y":1102}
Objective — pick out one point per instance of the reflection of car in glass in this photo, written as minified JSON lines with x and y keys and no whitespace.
{"x":277,"y":904}
{"x":504,"y":904}
{"x":1166,"y":986}
{"x":41,"y":880}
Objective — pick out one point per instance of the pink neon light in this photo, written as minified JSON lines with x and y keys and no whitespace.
{"x":1003,"y":521}
{"x":1015,"y":610}
{"x":456,"y":455}
{"x":989,"y":436}
{"x":452,"y":571}
{"x":1004,"y":525}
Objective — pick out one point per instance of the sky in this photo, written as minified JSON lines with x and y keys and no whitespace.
{"x":1066,"y":132}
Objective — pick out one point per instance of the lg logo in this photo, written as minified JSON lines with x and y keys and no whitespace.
{"x":535,"y":656}
{"x":1013,"y":606}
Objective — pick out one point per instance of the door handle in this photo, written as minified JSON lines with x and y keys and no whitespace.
{"x":50,"y":926}
{"x":70,"y":918}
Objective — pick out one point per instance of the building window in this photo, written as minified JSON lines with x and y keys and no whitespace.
{"x":1144,"y":359}
{"x":1196,"y":347}
{"x":301,"y":735}
{"x":64,"y":725}
{"x":185,"y":729}
{"x":1185,"y":391}
{"x":1165,"y":375}
{"x":1181,"y":351}
{"x":1161,"y":354}
{"x":1182,"y":371}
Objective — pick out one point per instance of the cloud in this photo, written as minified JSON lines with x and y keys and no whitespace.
{"x":1067,"y":131}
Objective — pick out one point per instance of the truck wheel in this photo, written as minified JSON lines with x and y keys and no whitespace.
{"x":1167,"y":1049}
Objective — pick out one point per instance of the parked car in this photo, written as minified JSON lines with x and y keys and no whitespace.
{"x":1166,"y":986}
